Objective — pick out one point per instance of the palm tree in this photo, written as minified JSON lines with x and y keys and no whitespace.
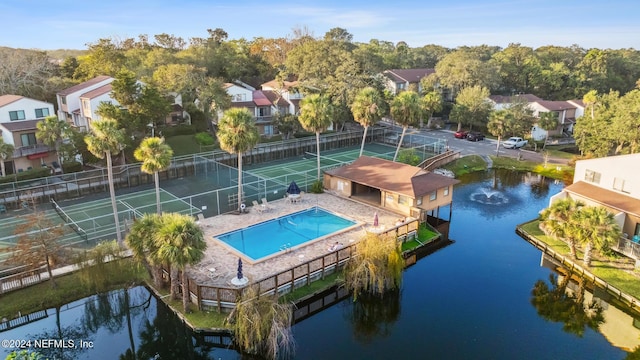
{"x":548,"y":121}
{"x":367,"y":109}
{"x":6,"y":152}
{"x":431,"y":102}
{"x":180,"y":243}
{"x":598,"y":229}
{"x":155,"y":156}
{"x":237,"y":133}
{"x":590,"y":100}
{"x":497,"y":126}
{"x":140,"y":241}
{"x":107,"y":139}
{"x":406,"y":110}
{"x":560,"y":220}
{"x":52,"y":131}
{"x":315,"y":115}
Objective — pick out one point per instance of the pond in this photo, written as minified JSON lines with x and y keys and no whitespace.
{"x":469,"y":300}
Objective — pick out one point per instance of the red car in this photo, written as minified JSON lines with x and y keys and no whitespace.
{"x":462,"y":134}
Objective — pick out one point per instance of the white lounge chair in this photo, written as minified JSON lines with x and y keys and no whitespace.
{"x":266,"y":204}
{"x":258,"y":207}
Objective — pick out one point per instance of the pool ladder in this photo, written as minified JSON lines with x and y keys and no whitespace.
{"x":285,"y":247}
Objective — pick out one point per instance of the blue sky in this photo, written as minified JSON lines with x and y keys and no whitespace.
{"x":72,"y":24}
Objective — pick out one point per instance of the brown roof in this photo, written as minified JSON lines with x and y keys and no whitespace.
{"x":274,"y":84}
{"x":392,"y":176}
{"x":20,"y":125}
{"x":501,"y":99}
{"x":556,"y":105}
{"x":97,"y":92}
{"x":272,"y":96}
{"x":83,"y":85}
{"x":608,"y":198}
{"x":410,"y":75}
{"x":8,"y":99}
{"x":243,"y":104}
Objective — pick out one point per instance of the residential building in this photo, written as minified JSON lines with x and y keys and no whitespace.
{"x":18,"y":118}
{"x":402,"y":188}
{"x":77,"y":104}
{"x":398,"y":80}
{"x":611,"y":182}
{"x":565,"y":111}
{"x":273,"y":98}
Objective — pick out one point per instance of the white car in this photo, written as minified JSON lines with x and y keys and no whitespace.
{"x":514,"y":143}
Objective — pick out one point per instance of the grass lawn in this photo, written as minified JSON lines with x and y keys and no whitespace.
{"x":608,"y":269}
{"x":69,"y":288}
{"x":466,"y":165}
{"x":183,"y":144}
{"x":550,"y":171}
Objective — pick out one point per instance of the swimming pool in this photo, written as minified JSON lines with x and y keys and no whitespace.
{"x":263,"y":240}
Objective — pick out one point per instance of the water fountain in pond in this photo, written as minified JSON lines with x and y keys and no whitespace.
{"x":489,"y":197}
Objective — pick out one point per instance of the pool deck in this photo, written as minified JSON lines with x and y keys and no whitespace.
{"x":226,"y":263}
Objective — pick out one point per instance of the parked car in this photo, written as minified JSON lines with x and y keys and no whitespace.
{"x":475,"y":136}
{"x":514,"y":143}
{"x":462,"y":134}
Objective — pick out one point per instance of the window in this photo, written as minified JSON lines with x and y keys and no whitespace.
{"x":28,"y":139}
{"x":40,"y":113}
{"x":592,"y":176}
{"x":403,"y":200}
{"x":16,"y":115}
{"x":238,"y":97}
{"x":389,"y":198}
{"x":86,"y":105}
{"x":621,"y":185}
{"x":432,"y":196}
{"x":64,"y":100}
{"x":445,"y":192}
{"x":419,"y":201}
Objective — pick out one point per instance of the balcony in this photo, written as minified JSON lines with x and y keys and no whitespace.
{"x":628,"y":247}
{"x":30,"y":150}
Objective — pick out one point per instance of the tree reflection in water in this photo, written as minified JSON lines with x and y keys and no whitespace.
{"x":556,"y":303}
{"x":374,"y":316}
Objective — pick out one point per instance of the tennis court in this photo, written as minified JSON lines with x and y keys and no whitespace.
{"x":303,"y":170}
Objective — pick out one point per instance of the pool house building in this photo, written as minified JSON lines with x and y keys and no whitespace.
{"x":401,"y":188}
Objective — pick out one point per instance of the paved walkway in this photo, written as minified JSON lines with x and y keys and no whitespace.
{"x":226,"y":262}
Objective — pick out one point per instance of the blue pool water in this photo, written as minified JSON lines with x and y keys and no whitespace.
{"x":270,"y":237}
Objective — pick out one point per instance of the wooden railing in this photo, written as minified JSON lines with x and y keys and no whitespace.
{"x":623,"y":297}
{"x":225,"y":297}
{"x":20,"y":280}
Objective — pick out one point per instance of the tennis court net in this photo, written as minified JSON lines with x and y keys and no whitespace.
{"x":327,"y":162}
{"x":69,"y":221}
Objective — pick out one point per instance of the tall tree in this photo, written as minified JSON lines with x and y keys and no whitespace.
{"x":521,"y":116}
{"x":463,"y":68}
{"x":52,"y":132}
{"x":590,"y":99}
{"x":107,"y":139}
{"x":37,"y":242}
{"x":237,"y":133}
{"x":6,"y":152}
{"x":155,"y":156}
{"x":548,"y":121}
{"x":431,"y":103}
{"x":367,"y":109}
{"x":560,"y":220}
{"x":598,"y":229}
{"x":519,"y":68}
{"x":315,"y":115}
{"x":498,"y":125}
{"x":406,"y":110}
{"x":180,"y":242}
{"x":472,"y":107}
{"x":140,"y":240}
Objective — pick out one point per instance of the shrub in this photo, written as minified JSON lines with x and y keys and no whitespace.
{"x":71,"y":167}
{"x":317,"y":187}
{"x":409,"y":156}
{"x":181,"y":129}
{"x":204,"y":139}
